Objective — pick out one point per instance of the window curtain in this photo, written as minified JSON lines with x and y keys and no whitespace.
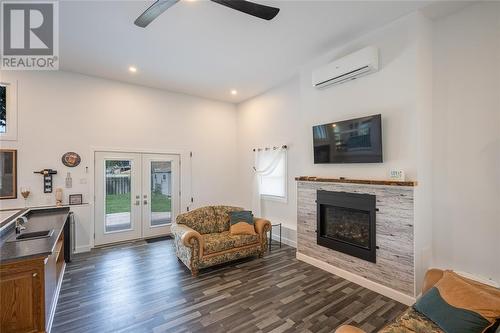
{"x":266,"y":161}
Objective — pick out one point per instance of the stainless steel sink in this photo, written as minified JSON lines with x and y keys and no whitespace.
{"x":32,"y":235}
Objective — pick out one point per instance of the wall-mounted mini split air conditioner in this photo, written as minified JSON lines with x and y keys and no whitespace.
{"x":350,"y":67}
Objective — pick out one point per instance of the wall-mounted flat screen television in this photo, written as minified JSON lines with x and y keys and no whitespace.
{"x":350,"y":141}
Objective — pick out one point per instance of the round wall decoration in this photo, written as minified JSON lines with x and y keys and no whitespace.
{"x":71,"y":159}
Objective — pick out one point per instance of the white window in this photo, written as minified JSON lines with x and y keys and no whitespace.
{"x":8,"y":110}
{"x":271,"y":166}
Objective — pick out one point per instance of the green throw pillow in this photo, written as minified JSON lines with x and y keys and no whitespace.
{"x":449,"y":318}
{"x":241,"y":216}
{"x":241,"y":223}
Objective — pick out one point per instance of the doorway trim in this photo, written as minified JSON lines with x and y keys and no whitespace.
{"x":91,"y":172}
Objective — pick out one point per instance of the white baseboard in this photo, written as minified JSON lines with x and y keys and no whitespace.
{"x":284,"y":240}
{"x":288,"y":236}
{"x":364,"y":282}
{"x":84,"y":248}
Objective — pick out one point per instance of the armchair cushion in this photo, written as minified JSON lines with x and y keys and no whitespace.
{"x":460,"y":305}
{"x":224,"y":241}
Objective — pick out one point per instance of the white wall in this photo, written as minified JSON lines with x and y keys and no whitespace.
{"x":272,"y":119}
{"x":424,"y":148}
{"x":286,"y":114}
{"x":391,"y":92}
{"x":466,"y":126}
{"x":439,"y":95}
{"x":60,"y":112}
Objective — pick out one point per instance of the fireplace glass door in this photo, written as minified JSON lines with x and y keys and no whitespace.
{"x":347,"y":225}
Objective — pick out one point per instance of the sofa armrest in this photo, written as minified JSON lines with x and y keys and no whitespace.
{"x":432,"y":276}
{"x":189,"y":237}
{"x":261,"y":226}
{"x":348,"y":329}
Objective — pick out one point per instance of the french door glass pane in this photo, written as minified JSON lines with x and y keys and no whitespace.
{"x":118,"y":195}
{"x":161,"y":193}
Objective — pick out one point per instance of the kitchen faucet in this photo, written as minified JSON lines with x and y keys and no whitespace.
{"x":20,"y":222}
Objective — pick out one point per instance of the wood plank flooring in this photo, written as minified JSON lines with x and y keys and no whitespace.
{"x":142,"y":287}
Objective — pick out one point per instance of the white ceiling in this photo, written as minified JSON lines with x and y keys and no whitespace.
{"x":205,"y":49}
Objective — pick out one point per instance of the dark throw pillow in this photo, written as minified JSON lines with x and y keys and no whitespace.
{"x":241,"y":223}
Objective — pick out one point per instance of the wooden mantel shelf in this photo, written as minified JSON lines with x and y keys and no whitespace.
{"x":356,"y":181}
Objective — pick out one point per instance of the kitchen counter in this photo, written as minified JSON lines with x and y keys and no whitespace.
{"x":38,"y":220}
{"x":7,"y":215}
{"x":32,"y":270}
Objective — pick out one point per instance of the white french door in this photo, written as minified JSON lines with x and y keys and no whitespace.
{"x":136,"y":195}
{"x":160,"y":193}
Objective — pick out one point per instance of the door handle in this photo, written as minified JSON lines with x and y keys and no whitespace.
{"x":145,"y":202}
{"x":137,"y":202}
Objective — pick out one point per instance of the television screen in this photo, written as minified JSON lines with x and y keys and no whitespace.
{"x":351,"y":141}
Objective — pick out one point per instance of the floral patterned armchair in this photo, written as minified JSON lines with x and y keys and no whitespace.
{"x":202,"y":238}
{"x":411,"y":321}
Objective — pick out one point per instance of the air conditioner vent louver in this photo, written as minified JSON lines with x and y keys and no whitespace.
{"x":344,"y":77}
{"x":353,"y":66}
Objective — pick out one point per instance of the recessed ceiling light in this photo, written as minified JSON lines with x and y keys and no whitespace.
{"x":234,"y":92}
{"x":132,"y":69}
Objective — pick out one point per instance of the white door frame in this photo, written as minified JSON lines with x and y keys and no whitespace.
{"x":183,"y":202}
{"x":104,"y":237}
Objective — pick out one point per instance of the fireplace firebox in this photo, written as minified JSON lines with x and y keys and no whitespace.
{"x":346,"y":223}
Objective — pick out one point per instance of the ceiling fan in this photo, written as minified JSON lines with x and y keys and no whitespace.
{"x":247,"y":7}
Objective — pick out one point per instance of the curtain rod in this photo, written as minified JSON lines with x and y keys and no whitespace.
{"x":269,"y":148}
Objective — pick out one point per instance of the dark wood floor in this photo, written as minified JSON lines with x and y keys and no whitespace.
{"x":142,"y":287}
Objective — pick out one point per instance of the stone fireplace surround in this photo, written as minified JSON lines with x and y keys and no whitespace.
{"x":393,"y":274}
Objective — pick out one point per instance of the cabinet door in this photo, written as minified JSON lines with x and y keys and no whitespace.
{"x":22,"y":306}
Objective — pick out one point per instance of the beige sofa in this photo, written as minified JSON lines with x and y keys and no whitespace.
{"x":202,"y":238}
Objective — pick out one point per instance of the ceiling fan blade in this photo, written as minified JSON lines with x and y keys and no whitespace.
{"x":153,"y":12}
{"x":254,"y":9}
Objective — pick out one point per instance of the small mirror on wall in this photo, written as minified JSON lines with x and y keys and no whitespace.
{"x":8,"y":174}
